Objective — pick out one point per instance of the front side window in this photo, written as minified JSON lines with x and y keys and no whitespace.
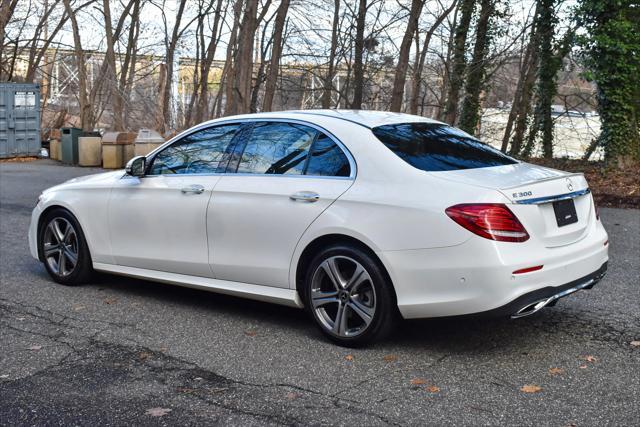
{"x":277,"y":148}
{"x":439,"y":147}
{"x":204,"y":151}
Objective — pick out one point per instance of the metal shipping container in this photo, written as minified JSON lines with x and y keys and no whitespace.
{"x":19,"y":119}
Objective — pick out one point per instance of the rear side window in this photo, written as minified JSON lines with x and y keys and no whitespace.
{"x":439,"y":147}
{"x":277,"y":148}
{"x":327,"y":159}
{"x":204,"y":151}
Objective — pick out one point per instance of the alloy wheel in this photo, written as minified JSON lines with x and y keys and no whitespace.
{"x":343,"y":296}
{"x":60,"y":246}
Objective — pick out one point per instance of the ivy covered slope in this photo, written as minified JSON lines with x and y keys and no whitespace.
{"x":611,"y":51}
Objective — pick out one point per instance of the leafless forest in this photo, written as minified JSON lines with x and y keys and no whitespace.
{"x":164,"y":64}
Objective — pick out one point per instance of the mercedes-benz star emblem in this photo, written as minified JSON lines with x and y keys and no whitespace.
{"x":569,"y":184}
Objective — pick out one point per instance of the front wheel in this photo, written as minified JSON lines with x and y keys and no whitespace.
{"x":64,"y":249}
{"x":349,"y":296}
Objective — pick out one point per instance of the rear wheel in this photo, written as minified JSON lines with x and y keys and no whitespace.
{"x":349,"y":296}
{"x":64,"y":249}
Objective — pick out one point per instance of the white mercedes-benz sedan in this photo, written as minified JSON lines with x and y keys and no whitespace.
{"x":361,"y":217}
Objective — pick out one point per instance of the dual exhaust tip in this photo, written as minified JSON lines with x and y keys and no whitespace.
{"x":538,"y":305}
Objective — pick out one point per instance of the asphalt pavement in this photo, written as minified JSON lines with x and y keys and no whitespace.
{"x":123,"y":351}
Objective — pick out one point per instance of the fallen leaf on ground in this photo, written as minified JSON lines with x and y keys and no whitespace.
{"x":390,"y":358}
{"x":556,"y":371}
{"x":292,"y":395}
{"x":35,"y":347}
{"x":582,"y":366}
{"x":143,"y":355}
{"x":591,"y":359}
{"x":433,"y":389}
{"x":418,"y":381}
{"x":250,"y":333}
{"x":530,"y":388}
{"x":78,"y":307}
{"x":158,"y":412}
{"x":349,"y":358}
{"x":635,"y":343}
{"x":110,"y":300}
{"x":18,"y":160}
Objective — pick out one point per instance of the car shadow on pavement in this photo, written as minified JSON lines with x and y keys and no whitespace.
{"x":451,"y":335}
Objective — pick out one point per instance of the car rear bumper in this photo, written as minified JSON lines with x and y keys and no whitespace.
{"x":535,"y":301}
{"x":478,"y":275}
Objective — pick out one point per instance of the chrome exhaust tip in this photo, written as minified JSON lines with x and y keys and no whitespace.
{"x":536,"y":306}
{"x":532,"y":308}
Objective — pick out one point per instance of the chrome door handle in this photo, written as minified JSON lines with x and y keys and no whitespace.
{"x":305,"y":196}
{"x":195,"y":189}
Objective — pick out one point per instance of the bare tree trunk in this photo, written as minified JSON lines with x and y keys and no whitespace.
{"x":203,"y":97}
{"x":230,"y":63}
{"x":276,"y":53}
{"x":197,"y":66}
{"x":358,"y":66}
{"x":515,"y":106}
{"x":6,"y":12}
{"x":265,"y":45}
{"x":243,"y":67}
{"x":169,"y":60}
{"x":130,"y":59}
{"x":162,"y":82}
{"x":456,"y":76}
{"x":550,"y":62}
{"x":419,"y":64}
{"x":87,"y":119}
{"x":470,"y":114}
{"x":524,"y":107}
{"x":96,"y":96}
{"x":37,"y":50}
{"x":116,"y":98}
{"x":397,"y":93}
{"x":527,"y":72}
{"x":328,"y":79}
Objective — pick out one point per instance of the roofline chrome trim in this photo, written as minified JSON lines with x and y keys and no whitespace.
{"x":311,"y":113}
{"x":548,"y":199}
{"x":369,"y":127}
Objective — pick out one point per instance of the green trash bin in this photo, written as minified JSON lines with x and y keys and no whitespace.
{"x":69,"y":143}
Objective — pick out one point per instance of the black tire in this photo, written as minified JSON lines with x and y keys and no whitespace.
{"x":71,"y":274}
{"x":381,"y":302}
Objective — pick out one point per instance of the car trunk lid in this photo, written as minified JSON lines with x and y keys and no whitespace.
{"x":542,"y":198}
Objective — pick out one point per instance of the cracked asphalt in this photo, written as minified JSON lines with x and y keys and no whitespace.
{"x":123,"y":351}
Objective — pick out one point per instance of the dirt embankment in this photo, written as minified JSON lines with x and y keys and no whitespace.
{"x":611,"y":187}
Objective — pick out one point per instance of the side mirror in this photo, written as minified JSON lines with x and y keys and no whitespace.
{"x":136,"y":166}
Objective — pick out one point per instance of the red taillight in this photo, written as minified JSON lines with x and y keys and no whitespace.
{"x":492,"y":221}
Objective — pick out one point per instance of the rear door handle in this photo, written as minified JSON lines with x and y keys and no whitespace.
{"x":195,"y":189}
{"x":305,"y":196}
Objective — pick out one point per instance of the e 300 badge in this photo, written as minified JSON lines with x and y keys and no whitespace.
{"x":522,"y":194}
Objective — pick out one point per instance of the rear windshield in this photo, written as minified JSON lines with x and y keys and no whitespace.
{"x":439,"y":147}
